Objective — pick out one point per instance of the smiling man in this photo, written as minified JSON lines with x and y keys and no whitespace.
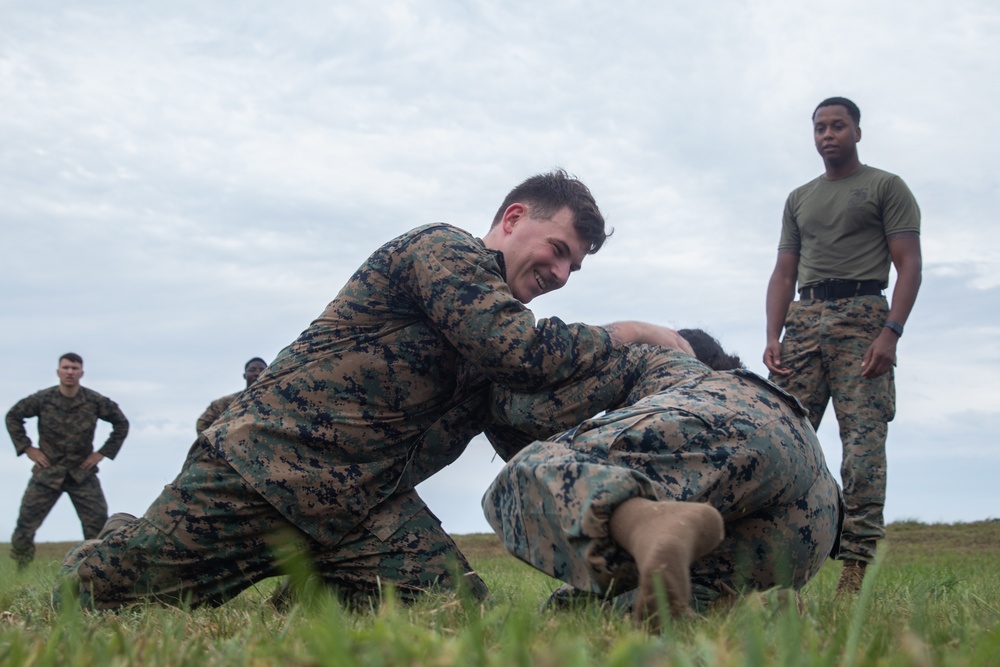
{"x":387,"y":386}
{"x":839,"y":234}
{"x":65,"y":460}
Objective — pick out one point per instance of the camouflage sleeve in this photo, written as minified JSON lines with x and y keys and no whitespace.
{"x":26,"y":407}
{"x":462,"y":290}
{"x":542,"y":414}
{"x":212,"y":412}
{"x":109,"y":411}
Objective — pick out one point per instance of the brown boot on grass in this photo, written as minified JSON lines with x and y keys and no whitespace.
{"x":851,"y":576}
{"x":664,"y":538}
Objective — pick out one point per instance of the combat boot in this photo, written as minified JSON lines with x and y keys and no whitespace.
{"x":851,"y":576}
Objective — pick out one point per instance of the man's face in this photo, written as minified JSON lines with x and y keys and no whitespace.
{"x":69,"y":373}
{"x":539,"y":254}
{"x":253,"y":371}
{"x":835,"y":134}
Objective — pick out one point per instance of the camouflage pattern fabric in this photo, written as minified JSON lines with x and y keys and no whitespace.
{"x":391,"y":382}
{"x":690,"y":434}
{"x":823,"y":345}
{"x":214,"y":409}
{"x":210,"y":535}
{"x":44,"y":490}
{"x":66,"y":428}
{"x":384,"y":389}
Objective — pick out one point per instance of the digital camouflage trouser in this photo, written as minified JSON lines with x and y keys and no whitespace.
{"x":823,"y":346}
{"x":210,"y":535}
{"x":44,"y":490}
{"x":728,"y":441}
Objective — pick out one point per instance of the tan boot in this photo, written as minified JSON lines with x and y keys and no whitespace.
{"x":664,"y":538}
{"x":851,"y":576}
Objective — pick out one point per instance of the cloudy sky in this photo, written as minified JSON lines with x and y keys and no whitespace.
{"x":186,"y":185}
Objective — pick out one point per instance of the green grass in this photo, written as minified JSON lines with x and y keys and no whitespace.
{"x":932,"y":599}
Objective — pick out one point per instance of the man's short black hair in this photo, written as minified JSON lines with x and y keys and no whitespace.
{"x":852,"y":109}
{"x":247,"y":364}
{"x":545,"y":194}
{"x":73,"y":357}
{"x":709,"y":351}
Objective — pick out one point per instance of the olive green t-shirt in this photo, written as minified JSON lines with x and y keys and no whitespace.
{"x":840,"y":228}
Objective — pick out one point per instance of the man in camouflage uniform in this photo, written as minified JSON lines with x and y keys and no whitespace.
{"x":251,"y":371}
{"x":65,"y":460}
{"x":839,"y":234}
{"x":641,"y":493}
{"x":322,"y":454}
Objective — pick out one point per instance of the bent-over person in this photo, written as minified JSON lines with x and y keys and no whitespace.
{"x":710,"y":482}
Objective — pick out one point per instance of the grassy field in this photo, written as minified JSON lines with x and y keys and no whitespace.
{"x":933,"y":599}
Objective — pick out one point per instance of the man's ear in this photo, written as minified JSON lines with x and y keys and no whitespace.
{"x":514,"y":214}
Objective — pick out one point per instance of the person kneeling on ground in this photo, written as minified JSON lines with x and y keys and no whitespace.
{"x":319,"y":459}
{"x":704,"y":483}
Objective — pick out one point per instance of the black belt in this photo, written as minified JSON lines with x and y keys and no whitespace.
{"x":840,"y":289}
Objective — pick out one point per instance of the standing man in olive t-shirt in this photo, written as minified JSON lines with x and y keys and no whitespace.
{"x":839,"y":234}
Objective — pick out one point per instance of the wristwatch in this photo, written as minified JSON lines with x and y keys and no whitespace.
{"x":896,"y":327}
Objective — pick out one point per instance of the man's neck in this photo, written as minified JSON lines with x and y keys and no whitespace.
{"x":69,"y":392}
{"x":835,"y":172}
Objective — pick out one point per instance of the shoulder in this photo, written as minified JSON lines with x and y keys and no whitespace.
{"x":880,"y":176}
{"x":805,"y":188}
{"x":40,"y":396}
{"x":227,"y":399}
{"x":436,"y":243}
{"x":92,"y":396}
{"x":45,"y":394}
{"x":435,"y":234}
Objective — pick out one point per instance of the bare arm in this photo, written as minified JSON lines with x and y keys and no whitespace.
{"x":650,"y":334}
{"x":904,"y":249}
{"x":780,"y":292}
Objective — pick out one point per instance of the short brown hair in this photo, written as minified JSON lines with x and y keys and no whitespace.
{"x":73,"y":357}
{"x":545,"y":194}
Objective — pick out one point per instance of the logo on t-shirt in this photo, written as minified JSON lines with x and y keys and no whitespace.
{"x":858,"y":198}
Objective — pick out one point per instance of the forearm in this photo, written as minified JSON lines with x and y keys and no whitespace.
{"x":904,"y":295}
{"x":779,"y":295}
{"x":906,"y":257}
{"x":18,"y":435}
{"x":644,"y":333}
{"x":119,"y":429}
